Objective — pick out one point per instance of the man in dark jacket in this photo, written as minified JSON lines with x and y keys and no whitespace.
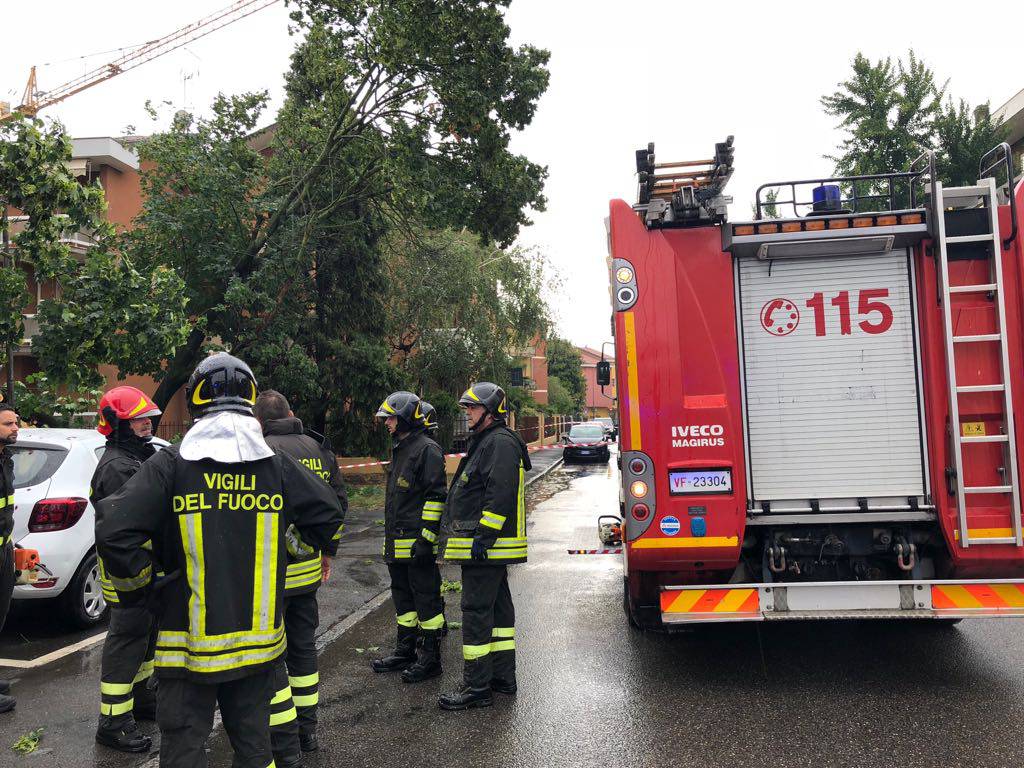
{"x":8,"y":436}
{"x":125,"y":415}
{"x":296,"y":692}
{"x":485,"y":531}
{"x":217,"y":510}
{"x":414,"y":502}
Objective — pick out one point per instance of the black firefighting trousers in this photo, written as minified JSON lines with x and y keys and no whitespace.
{"x":127,"y":663}
{"x":6,"y":580}
{"x":185,"y":715}
{"x":488,"y":625}
{"x":297,"y":678}
{"x":416,"y":593}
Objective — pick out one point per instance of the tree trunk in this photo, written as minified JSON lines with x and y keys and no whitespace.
{"x":178,"y":370}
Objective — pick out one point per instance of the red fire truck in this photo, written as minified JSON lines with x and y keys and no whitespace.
{"x":817,"y":409}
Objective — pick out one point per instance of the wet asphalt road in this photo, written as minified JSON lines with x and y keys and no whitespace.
{"x":593,"y":692}
{"x":63,"y":696}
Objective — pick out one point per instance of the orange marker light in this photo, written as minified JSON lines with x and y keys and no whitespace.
{"x":743,"y":229}
{"x":791,"y":226}
{"x":864,"y":221}
{"x":767,"y":229}
{"x":911,"y":218}
{"x":839,"y":224}
{"x":886,"y":221}
{"x":814,"y":226}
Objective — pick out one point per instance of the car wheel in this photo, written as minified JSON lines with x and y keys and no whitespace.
{"x":82,"y":602}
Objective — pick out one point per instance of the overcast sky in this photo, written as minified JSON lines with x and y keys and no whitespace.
{"x":683,"y":75}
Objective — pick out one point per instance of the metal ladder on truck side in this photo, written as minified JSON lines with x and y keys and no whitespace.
{"x":979,"y":197}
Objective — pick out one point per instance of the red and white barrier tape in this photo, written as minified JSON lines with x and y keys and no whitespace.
{"x":460,"y":455}
{"x":602,"y":551}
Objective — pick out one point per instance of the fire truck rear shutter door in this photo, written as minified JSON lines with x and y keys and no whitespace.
{"x":833,"y":415}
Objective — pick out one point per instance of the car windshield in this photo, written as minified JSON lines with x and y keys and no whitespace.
{"x":586,"y":430}
{"x":35,"y":464}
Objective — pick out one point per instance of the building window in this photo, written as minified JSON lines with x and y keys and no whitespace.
{"x":515,"y":377}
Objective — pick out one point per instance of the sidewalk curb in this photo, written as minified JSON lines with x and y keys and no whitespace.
{"x":555,"y":464}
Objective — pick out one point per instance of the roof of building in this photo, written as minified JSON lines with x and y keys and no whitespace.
{"x":105,"y":150}
{"x":1012,"y":115}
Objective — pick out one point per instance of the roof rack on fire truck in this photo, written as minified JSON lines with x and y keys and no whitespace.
{"x":685,"y":193}
{"x":839,"y":215}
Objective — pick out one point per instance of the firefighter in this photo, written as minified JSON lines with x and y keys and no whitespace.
{"x":125,"y":415}
{"x":8,"y":436}
{"x":217,"y":509}
{"x":429,"y":416}
{"x":414,"y":502}
{"x":293,"y":718}
{"x":485,"y":531}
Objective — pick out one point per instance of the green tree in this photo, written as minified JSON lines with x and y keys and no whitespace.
{"x":397,"y":119}
{"x":565,"y":364}
{"x":560,"y":400}
{"x":893,"y":112}
{"x":35,"y":181}
{"x":963,"y":136}
{"x":889,"y":112}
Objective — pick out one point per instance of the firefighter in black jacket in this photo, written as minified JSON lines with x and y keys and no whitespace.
{"x":296,"y":691}
{"x":8,"y":436}
{"x":485,"y":531}
{"x":216,"y":509}
{"x":125,"y":415}
{"x":413,"y":505}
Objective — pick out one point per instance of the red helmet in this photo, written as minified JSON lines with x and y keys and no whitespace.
{"x":123,"y":404}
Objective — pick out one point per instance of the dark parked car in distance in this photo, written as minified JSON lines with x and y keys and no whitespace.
{"x":610,"y":430}
{"x":586,"y":441}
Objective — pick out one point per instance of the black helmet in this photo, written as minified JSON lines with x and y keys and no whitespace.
{"x":406,"y":407}
{"x":429,"y":415}
{"x":490,"y":396}
{"x":221,"y":382}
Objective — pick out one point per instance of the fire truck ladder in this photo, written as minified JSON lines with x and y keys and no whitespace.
{"x":979,"y":197}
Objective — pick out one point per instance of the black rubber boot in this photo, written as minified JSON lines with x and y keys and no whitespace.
{"x":122,"y":734}
{"x":308,"y":742}
{"x":288,"y":761}
{"x":5,"y":687}
{"x":145,"y":702}
{"x":466,"y":698}
{"x":500,"y":685}
{"x":7,"y":703}
{"x":404,"y":654}
{"x":428,"y":664}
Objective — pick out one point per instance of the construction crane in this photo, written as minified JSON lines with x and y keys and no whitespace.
{"x":33,"y":99}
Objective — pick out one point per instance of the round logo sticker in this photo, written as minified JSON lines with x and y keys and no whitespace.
{"x":780,"y":317}
{"x":670,"y":526}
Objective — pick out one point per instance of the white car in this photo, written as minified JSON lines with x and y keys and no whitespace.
{"x":53,"y":471}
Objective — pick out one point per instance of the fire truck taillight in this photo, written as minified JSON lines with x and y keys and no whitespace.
{"x":638,"y":466}
{"x":640,"y":512}
{"x":625,"y":295}
{"x":624,"y":275}
{"x":638,"y":489}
